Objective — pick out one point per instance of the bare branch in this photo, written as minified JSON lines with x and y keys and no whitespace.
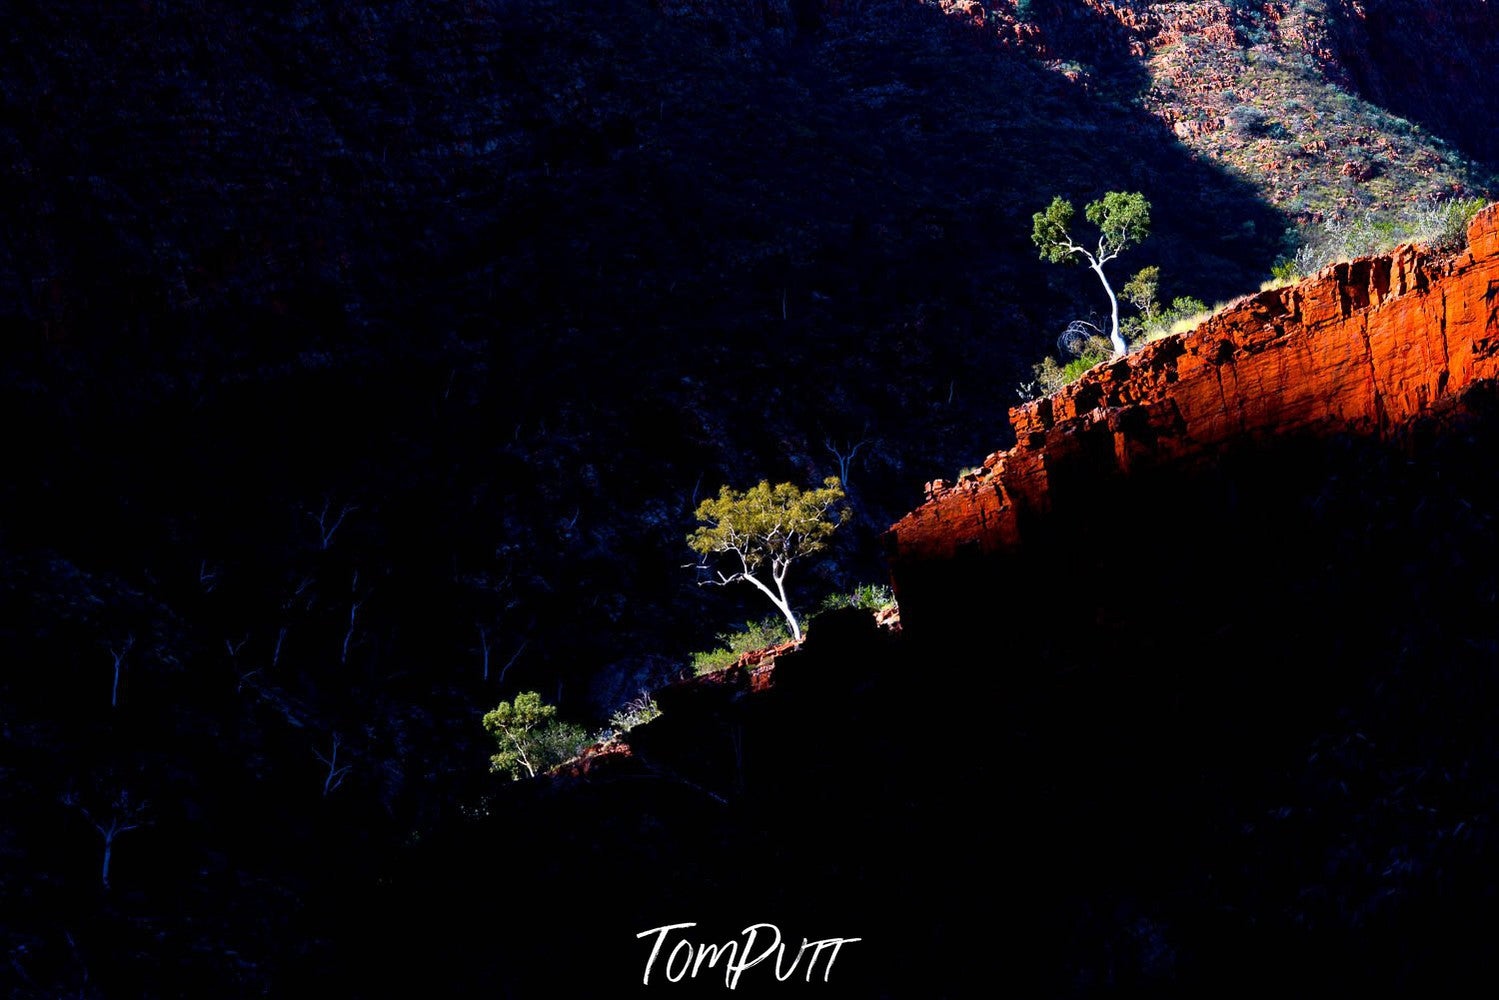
{"x":329,"y":522}
{"x":119,"y":656}
{"x":484,"y":648}
{"x":513,"y":657}
{"x":336,"y":772}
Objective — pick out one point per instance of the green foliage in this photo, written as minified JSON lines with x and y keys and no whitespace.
{"x":1082,"y":345}
{"x":1085,"y":349}
{"x":1123,"y":219}
{"x":711,"y":661}
{"x":1073,"y":370}
{"x":1442,"y":224}
{"x":1051,"y":375}
{"x":560,"y":742}
{"x":1250,"y":121}
{"x":1140,"y":291}
{"x":1161,"y":320}
{"x":1185,"y":314}
{"x":768,"y":522}
{"x":768,"y":527}
{"x":1285,"y":270}
{"x":1181,"y":307}
{"x":1050,"y":229}
{"x":1047,"y":381}
{"x":767,"y":632}
{"x":869,"y":597}
{"x":529,"y":738}
{"x":636,"y":712}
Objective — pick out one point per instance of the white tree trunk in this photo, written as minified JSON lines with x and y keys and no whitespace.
{"x":782,"y":605}
{"x":1120,"y":347}
{"x":785,"y":605}
{"x":108,"y":849}
{"x":796,"y":630}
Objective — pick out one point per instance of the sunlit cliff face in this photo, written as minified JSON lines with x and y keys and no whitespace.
{"x":1365,"y":348}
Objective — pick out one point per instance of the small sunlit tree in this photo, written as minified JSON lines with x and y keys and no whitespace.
{"x":1122,"y":220}
{"x":529,"y":739}
{"x":761,"y":531}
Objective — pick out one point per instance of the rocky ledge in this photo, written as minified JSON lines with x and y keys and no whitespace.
{"x":1367,"y":347}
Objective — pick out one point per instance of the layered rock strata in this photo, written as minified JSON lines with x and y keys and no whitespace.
{"x":1365,"y":348}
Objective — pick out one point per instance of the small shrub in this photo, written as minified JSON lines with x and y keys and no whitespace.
{"x":868,"y":597}
{"x":1184,"y":313}
{"x":1285,"y":271}
{"x":1248,"y":120}
{"x":529,"y":739}
{"x":1140,"y":291}
{"x":1051,"y":376}
{"x":755,"y":635}
{"x":1085,"y":344}
{"x":636,"y":712}
{"x":561,"y":742}
{"x":1185,"y":305}
{"x":1188,"y":322}
{"x":1048,"y":376}
{"x":1073,"y":370}
{"x":1443,"y":224}
{"x":711,"y":661}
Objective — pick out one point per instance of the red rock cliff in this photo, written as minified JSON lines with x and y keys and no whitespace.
{"x":1365,"y":347}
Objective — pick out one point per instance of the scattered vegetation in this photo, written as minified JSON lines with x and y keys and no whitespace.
{"x":636,"y":712}
{"x":769,"y":631}
{"x":530,"y":738}
{"x":1083,"y":344}
{"x":868,"y":597}
{"x":1439,"y":223}
{"x":772,"y":631}
{"x":1282,"y":116}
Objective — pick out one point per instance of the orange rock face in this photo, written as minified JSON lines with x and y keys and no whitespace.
{"x":1364,"y":348}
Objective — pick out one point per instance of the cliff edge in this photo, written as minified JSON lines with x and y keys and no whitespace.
{"x":1365,"y":348}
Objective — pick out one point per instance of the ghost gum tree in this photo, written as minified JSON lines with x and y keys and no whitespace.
{"x":761,"y":531}
{"x":1122,"y":220}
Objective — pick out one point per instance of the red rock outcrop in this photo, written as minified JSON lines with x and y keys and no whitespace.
{"x":1365,"y":348}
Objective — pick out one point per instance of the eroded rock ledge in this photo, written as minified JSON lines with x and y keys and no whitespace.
{"x":1365,"y":348}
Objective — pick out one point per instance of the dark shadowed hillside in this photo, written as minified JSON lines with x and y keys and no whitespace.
{"x":520,"y":285}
